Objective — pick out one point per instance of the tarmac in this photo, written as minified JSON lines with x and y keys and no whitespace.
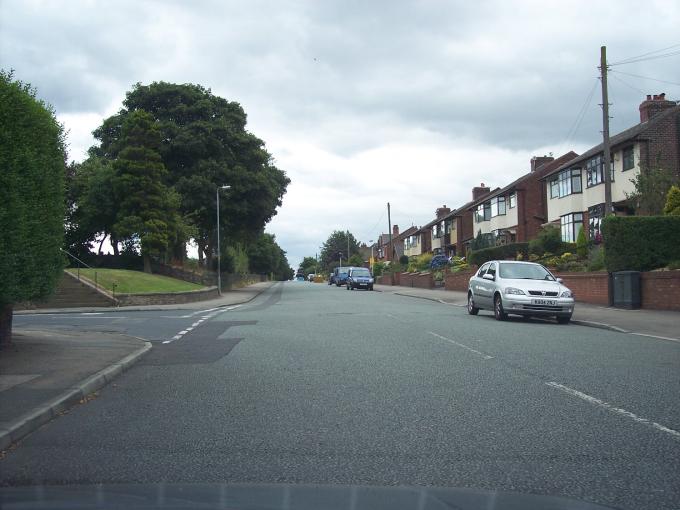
{"x":662,"y":324}
{"x":44,"y":374}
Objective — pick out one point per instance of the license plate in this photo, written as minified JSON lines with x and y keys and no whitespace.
{"x":547,"y":302}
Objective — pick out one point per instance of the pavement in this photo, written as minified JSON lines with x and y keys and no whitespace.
{"x":44,"y":373}
{"x":653,"y":323}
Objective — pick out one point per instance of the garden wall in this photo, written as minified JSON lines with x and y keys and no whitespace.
{"x":170,"y":298}
{"x":458,"y":281}
{"x":423,"y":280}
{"x":588,"y":287}
{"x":660,"y":290}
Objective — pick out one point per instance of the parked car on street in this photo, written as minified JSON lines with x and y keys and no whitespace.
{"x":519,"y":288}
{"x":359,"y":278}
{"x":340,"y":276}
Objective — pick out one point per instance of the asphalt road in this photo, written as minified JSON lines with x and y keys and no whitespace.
{"x":314,"y":384}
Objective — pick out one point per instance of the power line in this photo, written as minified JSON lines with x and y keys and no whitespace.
{"x":628,"y":84}
{"x":654,"y":57}
{"x":580,"y":116}
{"x":635,"y":58}
{"x":647,"y":77}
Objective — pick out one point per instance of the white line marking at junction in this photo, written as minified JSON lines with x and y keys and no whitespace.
{"x":657,"y":336}
{"x":613,"y":409}
{"x":485,"y":356}
{"x":213,"y":313}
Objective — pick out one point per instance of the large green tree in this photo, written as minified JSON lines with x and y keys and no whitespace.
{"x":336,"y":244}
{"x":148,"y":208}
{"x":205,"y":144}
{"x":32,"y":169}
{"x":651,"y":189}
{"x":308,"y":265}
{"x":265,"y":256}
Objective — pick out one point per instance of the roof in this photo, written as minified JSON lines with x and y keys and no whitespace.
{"x":625,"y":136}
{"x":541,"y":171}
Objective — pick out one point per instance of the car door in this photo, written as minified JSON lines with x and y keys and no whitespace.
{"x":476,"y":282}
{"x":487,"y":287}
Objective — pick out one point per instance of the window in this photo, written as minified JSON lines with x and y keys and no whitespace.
{"x":492,"y":270}
{"x":594,"y":168}
{"x":566,"y":183}
{"x":595,"y":216}
{"x":628,"y":158}
{"x":483,"y":212}
{"x":570,"y":225}
{"x":513,"y":201}
{"x":447,"y":226}
{"x":482,"y":269}
{"x":497,"y":206}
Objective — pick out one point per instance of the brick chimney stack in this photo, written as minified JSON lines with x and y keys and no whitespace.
{"x":395,"y":231}
{"x":654,"y":105}
{"x":479,"y":191}
{"x":442,"y":211}
{"x":539,"y":161}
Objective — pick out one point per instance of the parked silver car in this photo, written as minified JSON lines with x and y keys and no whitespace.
{"x":519,"y":288}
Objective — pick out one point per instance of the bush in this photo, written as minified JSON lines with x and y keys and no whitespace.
{"x":582,"y":244}
{"x":507,"y":251}
{"x":419,"y":263}
{"x":596,"y":259}
{"x":672,"y":207}
{"x":548,"y":239}
{"x":640,"y":243}
{"x":378,"y":269}
{"x":403,"y":260}
{"x":675,"y":264}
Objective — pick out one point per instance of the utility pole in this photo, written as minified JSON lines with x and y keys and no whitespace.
{"x":605,"y":134}
{"x":348,"y":245}
{"x":389,"y":224}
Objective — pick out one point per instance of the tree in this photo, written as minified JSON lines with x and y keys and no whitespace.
{"x":651,"y":188}
{"x":582,"y":244}
{"x":266,"y":256}
{"x":148,"y":209}
{"x":356,"y":260}
{"x":672,"y":207}
{"x":308,"y":265}
{"x":335,"y":244}
{"x":32,"y":169}
{"x":205,"y":145}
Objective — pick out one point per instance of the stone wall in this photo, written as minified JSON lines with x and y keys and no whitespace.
{"x":171,"y":298}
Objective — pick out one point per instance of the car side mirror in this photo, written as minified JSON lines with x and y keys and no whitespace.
{"x":488,"y":276}
{"x":560,"y":280}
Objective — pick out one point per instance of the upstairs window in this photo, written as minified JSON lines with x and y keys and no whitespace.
{"x":497,"y":206}
{"x":512,"y":202}
{"x":595,"y":169}
{"x":628,"y":158}
{"x":566,"y":183}
{"x":483,"y":212}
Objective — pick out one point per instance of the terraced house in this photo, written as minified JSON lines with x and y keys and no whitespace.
{"x":575,"y":190}
{"x":516,"y":212}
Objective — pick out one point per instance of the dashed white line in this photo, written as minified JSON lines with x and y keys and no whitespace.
{"x":463,"y":346}
{"x":613,"y":409}
{"x":213,"y":313}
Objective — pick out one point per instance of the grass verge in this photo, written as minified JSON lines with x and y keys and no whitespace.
{"x":135,"y":282}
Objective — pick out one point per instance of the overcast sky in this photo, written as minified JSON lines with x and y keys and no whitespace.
{"x":360,"y":102}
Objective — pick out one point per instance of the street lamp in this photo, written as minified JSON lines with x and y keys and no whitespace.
{"x":219,"y":253}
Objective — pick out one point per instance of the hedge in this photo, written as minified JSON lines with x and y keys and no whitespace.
{"x":640,"y":243}
{"x":502,"y":252}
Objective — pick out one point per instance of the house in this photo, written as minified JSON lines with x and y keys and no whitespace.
{"x":575,"y":190}
{"x":437,"y":231}
{"x":516,"y":212}
{"x":398,"y":242}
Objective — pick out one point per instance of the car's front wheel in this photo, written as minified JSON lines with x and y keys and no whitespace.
{"x":371,"y":287}
{"x":563,"y":319}
{"x":498,"y":311}
{"x":471,"y":308}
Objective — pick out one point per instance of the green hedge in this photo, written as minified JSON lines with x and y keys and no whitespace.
{"x":640,"y":243}
{"x":498,"y":253}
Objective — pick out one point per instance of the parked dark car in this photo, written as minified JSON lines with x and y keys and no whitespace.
{"x":359,"y":278}
{"x":340,"y":276}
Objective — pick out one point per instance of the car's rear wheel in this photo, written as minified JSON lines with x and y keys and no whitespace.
{"x":564,"y":319}
{"x":498,"y":311}
{"x":371,"y":287}
{"x":471,"y":308}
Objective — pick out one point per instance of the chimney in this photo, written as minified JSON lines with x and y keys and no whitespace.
{"x":539,"y":161}
{"x":395,"y":230}
{"x":479,"y":191}
{"x":653,"y":105}
{"x":442,"y":211}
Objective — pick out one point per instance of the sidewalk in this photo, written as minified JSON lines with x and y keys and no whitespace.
{"x":655,"y":323}
{"x":231,"y":297}
{"x":44,"y":373}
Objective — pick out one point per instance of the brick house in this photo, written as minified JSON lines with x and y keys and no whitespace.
{"x":461,"y":229}
{"x":418,"y":242}
{"x":398,"y":241}
{"x":575,"y":190}
{"x":437,"y":230}
{"x":516,"y":212}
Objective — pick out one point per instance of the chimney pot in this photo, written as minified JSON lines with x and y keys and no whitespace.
{"x":654,"y":105}
{"x":662,"y":96}
{"x":649,"y":97}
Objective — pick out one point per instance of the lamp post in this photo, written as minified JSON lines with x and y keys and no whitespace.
{"x":219,"y":253}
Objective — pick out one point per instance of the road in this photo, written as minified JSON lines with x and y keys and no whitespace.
{"x":315,"y":384}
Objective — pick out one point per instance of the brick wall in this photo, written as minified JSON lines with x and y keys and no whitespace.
{"x":458,"y":281}
{"x":389,"y":279}
{"x":423,"y":280}
{"x":661,"y":145}
{"x":588,"y":287}
{"x":660,"y":290}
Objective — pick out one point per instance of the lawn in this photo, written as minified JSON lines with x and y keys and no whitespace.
{"x":135,"y":282}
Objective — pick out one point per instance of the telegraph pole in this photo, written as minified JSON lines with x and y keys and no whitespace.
{"x":605,"y":134}
{"x":389,"y":224}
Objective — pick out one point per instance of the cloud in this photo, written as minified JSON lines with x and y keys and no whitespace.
{"x":419,"y":100}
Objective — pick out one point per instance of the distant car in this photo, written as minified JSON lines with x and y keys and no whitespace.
{"x":340,"y":276}
{"x":519,"y":288}
{"x":359,"y":278}
{"x":310,"y":277}
{"x":300,"y":278}
{"x":439,"y":261}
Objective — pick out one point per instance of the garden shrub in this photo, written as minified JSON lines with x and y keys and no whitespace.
{"x":506,"y":251}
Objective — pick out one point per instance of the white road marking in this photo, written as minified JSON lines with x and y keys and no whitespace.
{"x":92,"y":313}
{"x":613,"y":409}
{"x":213,"y":313}
{"x":657,"y":336}
{"x":485,"y":356}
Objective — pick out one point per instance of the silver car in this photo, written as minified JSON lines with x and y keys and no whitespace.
{"x":519,"y":288}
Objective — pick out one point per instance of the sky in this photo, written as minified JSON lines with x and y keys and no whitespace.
{"x":361,"y":103}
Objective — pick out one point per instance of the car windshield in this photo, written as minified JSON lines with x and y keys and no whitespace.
{"x":361,"y":272}
{"x":524,"y":272}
